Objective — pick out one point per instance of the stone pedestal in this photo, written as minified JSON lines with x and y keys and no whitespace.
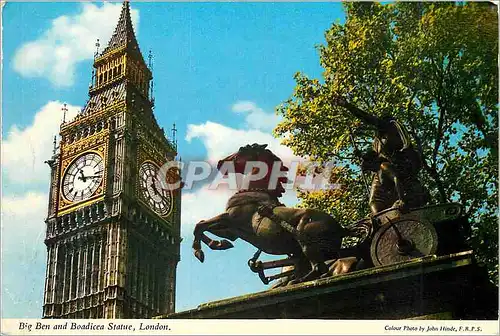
{"x":446,"y":287}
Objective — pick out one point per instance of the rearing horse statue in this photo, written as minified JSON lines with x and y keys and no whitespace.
{"x":254,"y":214}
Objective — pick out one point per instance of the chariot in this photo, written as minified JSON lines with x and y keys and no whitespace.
{"x":312,"y":239}
{"x":388,"y":237}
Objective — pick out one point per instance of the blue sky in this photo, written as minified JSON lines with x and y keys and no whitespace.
{"x":219,"y":69}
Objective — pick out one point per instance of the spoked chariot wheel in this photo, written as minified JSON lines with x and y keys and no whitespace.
{"x":403,"y":239}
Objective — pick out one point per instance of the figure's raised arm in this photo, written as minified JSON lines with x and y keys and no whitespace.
{"x":359,"y":113}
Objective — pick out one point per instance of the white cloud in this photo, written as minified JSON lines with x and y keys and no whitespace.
{"x":25,"y":150}
{"x":201,"y":204}
{"x":69,"y":41}
{"x":220,"y":140}
{"x":26,"y":206}
{"x":255,"y":116}
{"x":23,"y":254}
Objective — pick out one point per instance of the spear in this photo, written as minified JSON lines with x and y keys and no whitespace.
{"x":357,"y":153}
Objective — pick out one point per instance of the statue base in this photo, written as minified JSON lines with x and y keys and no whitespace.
{"x":445,"y":287}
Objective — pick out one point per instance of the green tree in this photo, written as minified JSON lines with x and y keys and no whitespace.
{"x":434,"y":67}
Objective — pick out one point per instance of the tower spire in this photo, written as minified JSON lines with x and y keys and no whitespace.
{"x":97,"y":45}
{"x":64,"y":109}
{"x":54,"y":149}
{"x":174,"y":136}
{"x":124,"y":32}
{"x":96,"y":53}
{"x":152,"y":83}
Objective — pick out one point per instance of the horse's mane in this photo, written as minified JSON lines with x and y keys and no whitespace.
{"x":259,"y":150}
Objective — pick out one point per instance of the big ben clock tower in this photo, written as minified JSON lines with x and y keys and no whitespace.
{"x":113,"y":229}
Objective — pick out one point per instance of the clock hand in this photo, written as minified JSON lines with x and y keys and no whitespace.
{"x":83,"y":178}
{"x":155,"y":188}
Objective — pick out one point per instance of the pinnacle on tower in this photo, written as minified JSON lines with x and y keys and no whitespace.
{"x":124,"y":32}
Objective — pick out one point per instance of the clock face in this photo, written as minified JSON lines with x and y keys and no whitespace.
{"x":83,"y":177}
{"x":158,"y":198}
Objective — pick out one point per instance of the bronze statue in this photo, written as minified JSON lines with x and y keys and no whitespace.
{"x":395,"y":162}
{"x":309,"y":237}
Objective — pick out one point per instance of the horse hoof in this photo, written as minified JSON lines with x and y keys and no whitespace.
{"x":343,"y":265}
{"x":326,"y":275}
{"x":220,"y":245}
{"x":199,"y":255}
{"x":225,"y":244}
{"x":280,"y":284}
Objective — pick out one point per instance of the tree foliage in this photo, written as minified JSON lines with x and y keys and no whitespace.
{"x":434,"y":67}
